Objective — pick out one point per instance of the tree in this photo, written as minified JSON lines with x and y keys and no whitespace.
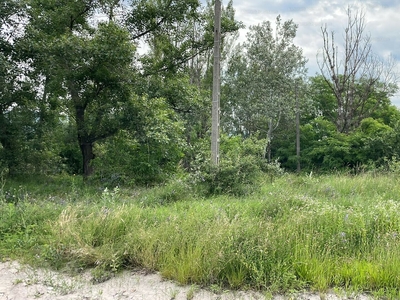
{"x":354,"y":74}
{"x":88,"y":67}
{"x":288,"y":142}
{"x":13,"y":91}
{"x":179,"y":67}
{"x":322,"y":98}
{"x":260,"y":76}
{"x":178,"y":33}
{"x":148,"y":151}
{"x":82,"y":72}
{"x":162,"y":25}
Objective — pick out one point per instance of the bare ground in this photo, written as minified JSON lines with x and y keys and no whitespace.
{"x":20,"y":282}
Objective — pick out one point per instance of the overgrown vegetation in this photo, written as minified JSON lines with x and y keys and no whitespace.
{"x":105,"y":151}
{"x":298,"y":232}
{"x":77,"y":96}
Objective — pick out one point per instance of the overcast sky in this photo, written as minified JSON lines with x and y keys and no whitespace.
{"x":382,"y":23}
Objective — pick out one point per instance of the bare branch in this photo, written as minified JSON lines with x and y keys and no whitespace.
{"x":356,"y":76}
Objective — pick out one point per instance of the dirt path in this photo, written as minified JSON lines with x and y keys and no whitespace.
{"x":24,"y":283}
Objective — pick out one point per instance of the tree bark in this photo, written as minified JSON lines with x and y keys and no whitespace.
{"x":84,"y":140}
{"x":88,"y":156}
{"x":9,"y":148}
{"x":85,"y":143}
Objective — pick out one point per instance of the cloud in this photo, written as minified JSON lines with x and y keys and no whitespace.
{"x":279,"y":6}
{"x":384,"y":3}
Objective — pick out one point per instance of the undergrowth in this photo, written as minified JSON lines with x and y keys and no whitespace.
{"x":299,"y":232}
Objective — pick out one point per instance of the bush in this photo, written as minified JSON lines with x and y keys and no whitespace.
{"x":240,"y":176}
{"x":148,"y":152}
{"x":240,"y":171}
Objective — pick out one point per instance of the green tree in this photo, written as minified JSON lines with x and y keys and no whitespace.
{"x":148,"y":151}
{"x":88,"y":68}
{"x":178,"y":67}
{"x":323,"y":100}
{"x":178,"y":33}
{"x":81,"y":75}
{"x":14,"y":93}
{"x":260,"y":75}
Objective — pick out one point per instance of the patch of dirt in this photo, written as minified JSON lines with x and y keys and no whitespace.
{"x":20,"y":282}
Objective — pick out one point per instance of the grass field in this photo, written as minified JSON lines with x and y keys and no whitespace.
{"x":298,"y":233}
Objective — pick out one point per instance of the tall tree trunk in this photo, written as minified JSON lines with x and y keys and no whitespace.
{"x":84,"y":140}
{"x":88,"y":156}
{"x":9,"y":155}
{"x":85,"y":143}
{"x":8,"y":145}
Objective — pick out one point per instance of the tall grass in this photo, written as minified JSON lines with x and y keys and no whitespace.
{"x":297,"y":233}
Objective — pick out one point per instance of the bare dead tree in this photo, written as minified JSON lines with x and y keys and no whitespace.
{"x":354,"y":73}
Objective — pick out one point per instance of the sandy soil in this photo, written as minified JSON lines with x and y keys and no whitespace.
{"x":19,"y":282}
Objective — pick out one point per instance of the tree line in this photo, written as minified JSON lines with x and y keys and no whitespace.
{"x":121,"y":91}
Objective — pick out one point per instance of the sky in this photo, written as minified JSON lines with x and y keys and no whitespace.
{"x":382,"y":23}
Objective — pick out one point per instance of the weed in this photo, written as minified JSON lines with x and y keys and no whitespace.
{"x":58,"y":284}
{"x":191,"y":292}
{"x":173,"y":293}
{"x":317,"y":233}
{"x":100,"y":274}
{"x":216,"y":289}
{"x":109,"y":197}
{"x":38,"y":294}
{"x":17,"y":281}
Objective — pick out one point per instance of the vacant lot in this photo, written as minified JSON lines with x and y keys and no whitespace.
{"x":315,"y":234}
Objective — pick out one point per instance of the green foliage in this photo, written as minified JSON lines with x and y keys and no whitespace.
{"x":237,"y":176}
{"x":371,"y":127}
{"x":145,"y":15}
{"x":374,"y":141}
{"x":391,"y":166}
{"x":22,"y":221}
{"x":149,"y":152}
{"x":177,"y":32}
{"x":69,"y":151}
{"x":240,"y":170}
{"x":76,"y":93}
{"x":28,"y":145}
{"x":87,"y":68}
{"x":259,"y":79}
{"x":324,"y":101}
{"x":325,"y":149}
{"x":191,"y":107}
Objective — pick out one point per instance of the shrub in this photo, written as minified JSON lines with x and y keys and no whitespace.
{"x":240,"y":171}
{"x":238,"y":176}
